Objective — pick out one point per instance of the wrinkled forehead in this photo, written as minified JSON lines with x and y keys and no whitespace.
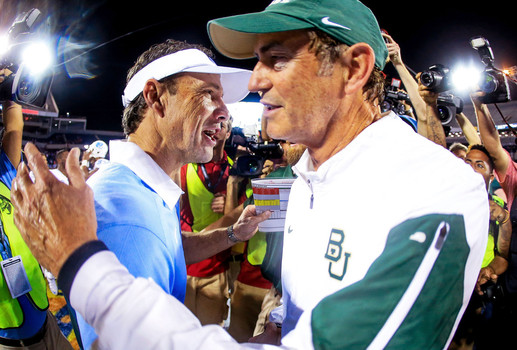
{"x":199,"y":81}
{"x":290,"y":40}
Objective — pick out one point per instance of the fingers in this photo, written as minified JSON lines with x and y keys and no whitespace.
{"x":387,"y":36}
{"x":21,"y":186}
{"x":253,"y":218}
{"x":37,"y":164}
{"x":73,"y":169}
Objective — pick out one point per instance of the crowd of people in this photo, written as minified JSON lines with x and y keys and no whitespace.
{"x":391,"y":240}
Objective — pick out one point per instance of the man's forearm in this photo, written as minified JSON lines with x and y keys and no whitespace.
{"x":411,"y":86}
{"x":202,"y":245}
{"x":490,"y":136}
{"x":435,"y":130}
{"x":13,"y":131}
{"x":469,"y":131}
{"x":129,"y":313}
{"x":211,"y":240}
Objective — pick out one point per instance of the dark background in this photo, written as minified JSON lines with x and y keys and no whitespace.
{"x":109,"y":35}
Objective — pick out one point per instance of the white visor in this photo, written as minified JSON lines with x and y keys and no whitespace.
{"x":233,"y":80}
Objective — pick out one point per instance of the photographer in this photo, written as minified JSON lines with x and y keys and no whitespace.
{"x":409,"y":82}
{"x":434,"y":128}
{"x":424,"y":100}
{"x":487,"y":299}
{"x":25,"y":321}
{"x":505,"y":320}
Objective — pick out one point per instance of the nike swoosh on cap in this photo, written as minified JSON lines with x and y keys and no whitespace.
{"x":326,"y":21}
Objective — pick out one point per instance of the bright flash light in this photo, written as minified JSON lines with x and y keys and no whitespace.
{"x":465,"y":78}
{"x":37,"y":57}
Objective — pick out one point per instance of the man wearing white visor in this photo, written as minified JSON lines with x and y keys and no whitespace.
{"x":174,"y":104}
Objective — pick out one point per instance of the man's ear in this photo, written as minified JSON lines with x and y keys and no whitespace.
{"x":152,"y":92}
{"x":359,"y":61}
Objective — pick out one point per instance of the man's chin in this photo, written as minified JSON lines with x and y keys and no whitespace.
{"x":205,"y":156}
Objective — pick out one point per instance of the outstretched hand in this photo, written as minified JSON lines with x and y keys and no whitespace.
{"x":393,"y":49}
{"x":54,"y":219}
{"x":247,"y":224}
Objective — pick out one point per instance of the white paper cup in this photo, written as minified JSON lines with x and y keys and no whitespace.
{"x":272,"y":194}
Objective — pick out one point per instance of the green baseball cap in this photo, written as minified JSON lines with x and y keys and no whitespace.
{"x":348,"y":21}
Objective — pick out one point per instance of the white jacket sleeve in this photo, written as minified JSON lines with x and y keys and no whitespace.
{"x":135,"y":313}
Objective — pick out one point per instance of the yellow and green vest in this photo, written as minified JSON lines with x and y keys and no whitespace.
{"x":11,"y":315}
{"x":204,"y":216}
{"x":490,"y":247}
{"x":199,"y":194}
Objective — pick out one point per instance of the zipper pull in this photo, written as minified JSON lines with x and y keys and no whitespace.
{"x":312,"y":193}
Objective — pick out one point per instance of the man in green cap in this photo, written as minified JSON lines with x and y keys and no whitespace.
{"x":363,"y":267}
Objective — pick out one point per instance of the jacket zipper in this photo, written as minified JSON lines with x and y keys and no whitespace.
{"x":312,"y":193}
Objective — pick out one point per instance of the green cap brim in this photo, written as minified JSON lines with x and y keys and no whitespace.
{"x":235,"y":36}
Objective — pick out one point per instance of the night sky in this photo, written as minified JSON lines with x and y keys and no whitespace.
{"x":91,"y":85}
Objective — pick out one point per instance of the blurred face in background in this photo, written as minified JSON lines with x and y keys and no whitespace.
{"x":292,"y":152}
{"x":480,"y":162}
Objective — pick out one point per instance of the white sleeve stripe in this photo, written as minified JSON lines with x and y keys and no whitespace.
{"x":412,"y":292}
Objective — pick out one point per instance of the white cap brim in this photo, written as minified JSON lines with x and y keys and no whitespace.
{"x":234,"y":81}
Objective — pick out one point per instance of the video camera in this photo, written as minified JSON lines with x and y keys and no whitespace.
{"x":22,"y":86}
{"x":448,"y":106}
{"x":251,"y":165}
{"x":494,"y":83}
{"x":394,"y":98}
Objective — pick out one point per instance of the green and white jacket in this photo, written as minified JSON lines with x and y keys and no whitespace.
{"x":382,"y":244}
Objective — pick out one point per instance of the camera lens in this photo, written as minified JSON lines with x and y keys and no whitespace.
{"x":31,"y":90}
{"x":489,"y":83}
{"x":427,"y":79}
{"x":385,"y":106}
{"x":28,"y":90}
{"x":445,"y":114}
{"x":254,"y":166}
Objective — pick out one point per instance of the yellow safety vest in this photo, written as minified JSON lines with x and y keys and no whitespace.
{"x":490,"y":247}
{"x":202,"y":212}
{"x":11,"y":315}
{"x":202,"y":197}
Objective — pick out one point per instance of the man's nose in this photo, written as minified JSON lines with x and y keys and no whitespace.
{"x":222,"y":114}
{"x":258,"y":82}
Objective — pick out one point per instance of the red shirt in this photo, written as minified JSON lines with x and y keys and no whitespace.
{"x":217,"y":179}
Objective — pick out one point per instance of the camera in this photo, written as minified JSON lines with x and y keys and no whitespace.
{"x":494,"y":83}
{"x":394,"y":98}
{"x":22,"y":86}
{"x":492,"y":292}
{"x":448,"y":106}
{"x":251,"y":165}
{"x":436,"y":78}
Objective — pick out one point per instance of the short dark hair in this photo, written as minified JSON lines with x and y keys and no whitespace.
{"x":134,"y":112}
{"x":482,"y":148}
